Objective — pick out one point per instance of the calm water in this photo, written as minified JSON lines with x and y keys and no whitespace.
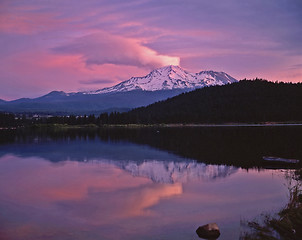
{"x":139,"y":184}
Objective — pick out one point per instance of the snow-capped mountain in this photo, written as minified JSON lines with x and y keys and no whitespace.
{"x":158,"y":85}
{"x":169,"y":78}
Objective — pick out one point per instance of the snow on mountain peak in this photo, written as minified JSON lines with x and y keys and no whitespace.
{"x":169,"y":78}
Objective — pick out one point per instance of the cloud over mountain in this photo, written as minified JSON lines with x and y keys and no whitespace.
{"x":103,"y":48}
{"x":43,"y":43}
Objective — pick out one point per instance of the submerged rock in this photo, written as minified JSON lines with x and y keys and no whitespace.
{"x":208,"y":231}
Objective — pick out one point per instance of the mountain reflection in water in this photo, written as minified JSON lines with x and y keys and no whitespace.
{"x":173,"y":172}
{"x":131,"y":184}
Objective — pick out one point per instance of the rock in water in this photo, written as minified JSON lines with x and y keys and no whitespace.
{"x":208,"y":231}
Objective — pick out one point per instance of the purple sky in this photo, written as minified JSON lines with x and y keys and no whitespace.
{"x":75,"y":45}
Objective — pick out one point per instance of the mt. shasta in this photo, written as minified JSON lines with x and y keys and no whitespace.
{"x":170,"y":78}
{"x":158,"y":85}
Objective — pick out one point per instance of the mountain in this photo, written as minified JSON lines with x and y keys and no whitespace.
{"x":158,"y":85}
{"x":244,"y":101}
{"x":80,"y":103}
{"x":170,"y":78}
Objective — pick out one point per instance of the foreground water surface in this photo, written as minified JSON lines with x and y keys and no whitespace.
{"x":140,"y":184}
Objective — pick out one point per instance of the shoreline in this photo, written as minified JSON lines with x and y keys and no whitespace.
{"x":179,"y":125}
{"x":163,"y":125}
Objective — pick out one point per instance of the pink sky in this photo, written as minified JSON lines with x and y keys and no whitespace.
{"x":85,"y":45}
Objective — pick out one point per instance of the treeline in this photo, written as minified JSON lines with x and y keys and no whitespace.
{"x":9,"y":120}
{"x":247,"y":101}
{"x":12,"y":120}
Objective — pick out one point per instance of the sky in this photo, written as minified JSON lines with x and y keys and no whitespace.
{"x":76,"y":45}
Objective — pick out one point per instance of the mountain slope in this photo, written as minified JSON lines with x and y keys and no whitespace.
{"x":158,"y":85}
{"x":81,"y":104}
{"x":245,"y":101}
{"x":170,"y":78}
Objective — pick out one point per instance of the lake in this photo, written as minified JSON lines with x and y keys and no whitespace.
{"x":153,"y":183}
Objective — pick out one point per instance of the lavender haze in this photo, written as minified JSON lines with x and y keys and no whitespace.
{"x":75,"y":45}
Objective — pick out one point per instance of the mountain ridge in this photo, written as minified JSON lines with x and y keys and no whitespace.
{"x":158,"y":85}
{"x":169,"y":78}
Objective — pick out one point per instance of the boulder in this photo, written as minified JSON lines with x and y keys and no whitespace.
{"x":208,"y":231}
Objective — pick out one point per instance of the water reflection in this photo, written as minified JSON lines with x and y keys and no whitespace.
{"x":237,"y":146}
{"x":173,"y":172}
{"x":100,"y":187}
{"x":100,"y":199}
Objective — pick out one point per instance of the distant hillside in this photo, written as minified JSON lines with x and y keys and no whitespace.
{"x":60,"y":103}
{"x":244,"y":101}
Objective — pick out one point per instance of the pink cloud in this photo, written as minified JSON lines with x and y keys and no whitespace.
{"x":103,"y":48}
{"x":39,"y":72}
{"x":113,"y":41}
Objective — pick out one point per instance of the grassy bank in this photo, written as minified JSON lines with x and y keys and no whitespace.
{"x":287,"y":223}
